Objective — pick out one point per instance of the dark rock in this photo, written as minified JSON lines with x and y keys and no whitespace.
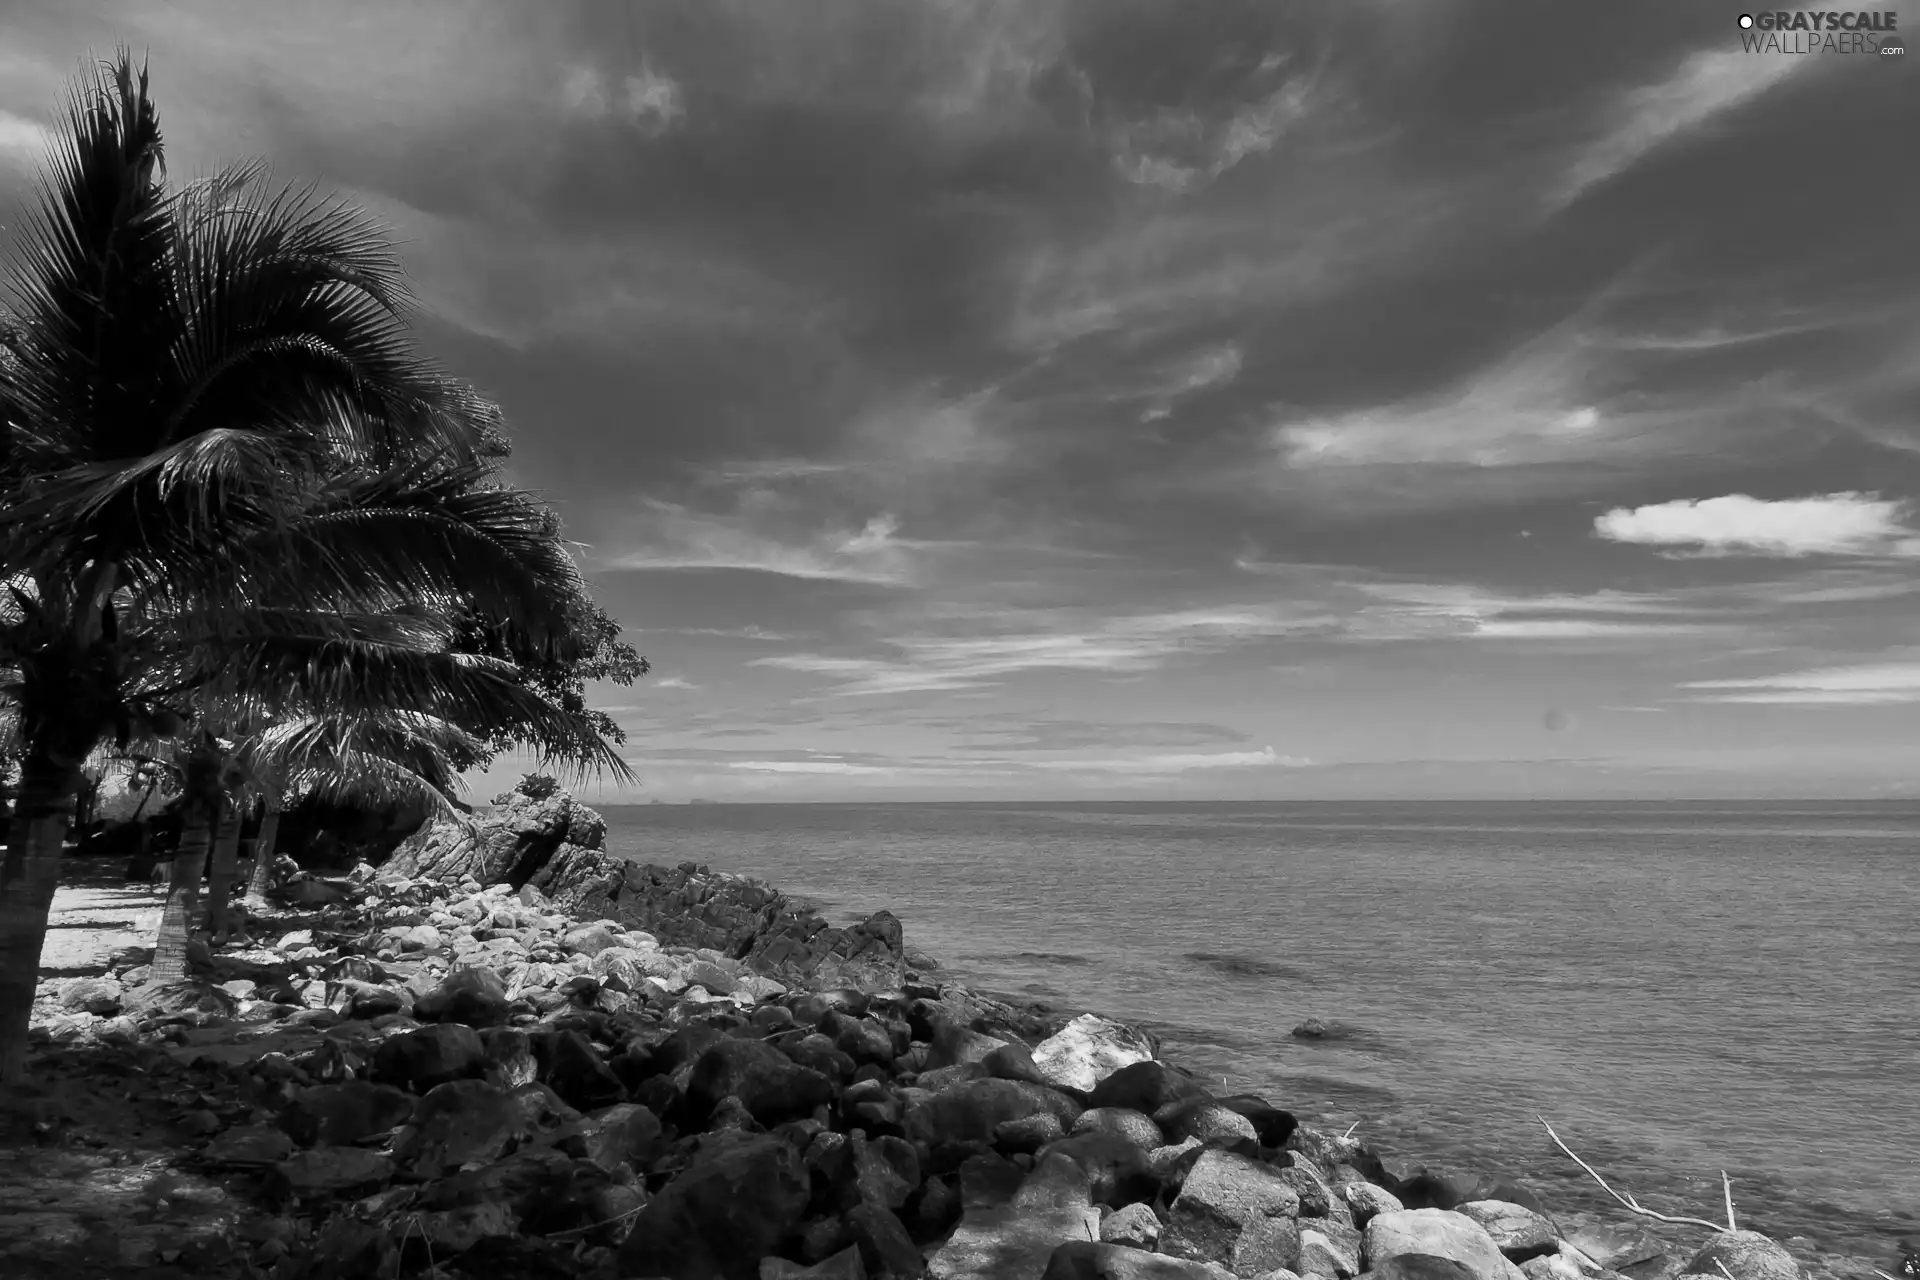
{"x":330,"y":1171}
{"x":1328,"y":1249}
{"x":573,"y":1068}
{"x":430,"y":1056}
{"x":1206,"y":1120}
{"x":258,"y":1144}
{"x":1271,"y":1125}
{"x":771,"y":1086}
{"x":338,"y":1115}
{"x":818,"y":1053}
{"x":458,"y":1122}
{"x":995,"y":1241}
{"x":467,"y":995}
{"x":509,"y":1053}
{"x":952,"y":1044}
{"x":844,"y":1265}
{"x":1117,"y":1171}
{"x":739,"y":1199}
{"x":884,"y":1244}
{"x":1145,"y":1087}
{"x":886,"y":1170}
{"x":970,"y":1112}
{"x":1100,"y":1260}
{"x":1029,"y":1133}
{"x":627,"y":1133}
{"x":1136,"y":1128}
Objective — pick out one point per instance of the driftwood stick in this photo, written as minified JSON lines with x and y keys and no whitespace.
{"x":1634,"y":1206}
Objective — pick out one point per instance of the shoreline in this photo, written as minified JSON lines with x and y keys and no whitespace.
{"x":947,"y":1056}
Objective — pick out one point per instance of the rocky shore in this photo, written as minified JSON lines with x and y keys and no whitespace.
{"x":508,"y":1053}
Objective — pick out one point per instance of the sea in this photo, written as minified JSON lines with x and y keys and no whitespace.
{"x":1677,"y":988}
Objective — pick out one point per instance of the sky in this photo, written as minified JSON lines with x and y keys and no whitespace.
{"x":1151,"y":399}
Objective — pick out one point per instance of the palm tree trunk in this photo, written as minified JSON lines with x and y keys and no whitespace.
{"x":183,"y":895}
{"x":263,"y":857}
{"x":42,"y":812}
{"x":226,"y":848}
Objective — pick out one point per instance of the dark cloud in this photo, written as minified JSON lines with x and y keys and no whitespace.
{"x":1002,"y":362}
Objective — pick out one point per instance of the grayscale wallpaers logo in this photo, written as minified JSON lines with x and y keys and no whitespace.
{"x":1800,"y":31}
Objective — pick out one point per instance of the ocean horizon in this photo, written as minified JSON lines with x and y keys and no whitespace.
{"x":1680,"y":987}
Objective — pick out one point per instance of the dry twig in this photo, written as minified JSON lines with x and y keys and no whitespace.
{"x":1634,"y":1206}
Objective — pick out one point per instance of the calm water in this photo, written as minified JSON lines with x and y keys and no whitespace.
{"x":1679,"y":988}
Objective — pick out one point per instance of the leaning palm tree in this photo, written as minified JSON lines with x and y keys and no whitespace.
{"x":372,"y":759}
{"x":185,"y":371}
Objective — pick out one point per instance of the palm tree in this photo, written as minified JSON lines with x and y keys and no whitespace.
{"x":222,"y":470}
{"x":376,"y":759}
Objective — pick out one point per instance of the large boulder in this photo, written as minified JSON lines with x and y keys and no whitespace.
{"x":741,"y":1196}
{"x":1439,"y":1233}
{"x":1744,"y":1255}
{"x":1016,"y":1238}
{"x":1088,"y":1050}
{"x":526,"y":828}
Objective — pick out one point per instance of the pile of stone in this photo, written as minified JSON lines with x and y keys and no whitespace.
{"x":466,"y":1076}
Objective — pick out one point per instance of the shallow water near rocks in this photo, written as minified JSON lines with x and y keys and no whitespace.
{"x":1678,"y":988}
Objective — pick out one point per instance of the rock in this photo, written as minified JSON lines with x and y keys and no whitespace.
{"x":1118,"y":1172}
{"x":454,"y":1231}
{"x":1029,"y":1133}
{"x":972,"y":1111}
{"x":884,"y":1244}
{"x":844,"y":1265}
{"x":1440,"y":1233}
{"x":1135,"y":1225}
{"x":886,"y":1170}
{"x":1317,"y":1199}
{"x":1088,"y":1050}
{"x":1271,"y":1125}
{"x":767,"y":1082}
{"x":331,"y":1171}
{"x":1225,"y":1208}
{"x":459,"y":1122}
{"x":1365,"y":1201}
{"x":257,"y":1144}
{"x":1016,"y":1239}
{"x":509,"y":1057}
{"x":1420,"y":1266}
{"x":626,"y":1133}
{"x":1014,"y":1061}
{"x":1136,"y":1128}
{"x":1329,"y":1250}
{"x":740,"y":1197}
{"x":1519,"y":1232}
{"x":468,"y":995}
{"x":574,"y":1069}
{"x":953,"y":1045}
{"x":430,"y":1056}
{"x":1616,"y":1245}
{"x":1312,"y":1029}
{"x":1205,"y":1121}
{"x":1100,"y":1260}
{"x":338,"y":1115}
{"x":1145,"y":1087}
{"x":98,"y":996}
{"x":589,"y":939}
{"x":1555,"y":1266}
{"x":1745,"y":1255}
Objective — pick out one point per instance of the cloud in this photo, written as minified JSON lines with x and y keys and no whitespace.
{"x":1531,"y":407}
{"x":1707,"y":85}
{"x":1181,"y":151}
{"x":22,"y":141}
{"x":646,"y":98}
{"x":1832,"y":524}
{"x":1127,"y":643}
{"x":842,"y":767}
{"x":1865,"y":684}
{"x":680,"y":538}
{"x":673,"y":682}
{"x":1178,"y":763}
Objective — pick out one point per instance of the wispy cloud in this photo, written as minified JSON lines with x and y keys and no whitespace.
{"x":646,"y":98}
{"x":1863,"y":684}
{"x":1829,"y":524}
{"x":1706,"y":86}
{"x":680,"y":538}
{"x":673,"y":682}
{"x":1266,"y":757}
